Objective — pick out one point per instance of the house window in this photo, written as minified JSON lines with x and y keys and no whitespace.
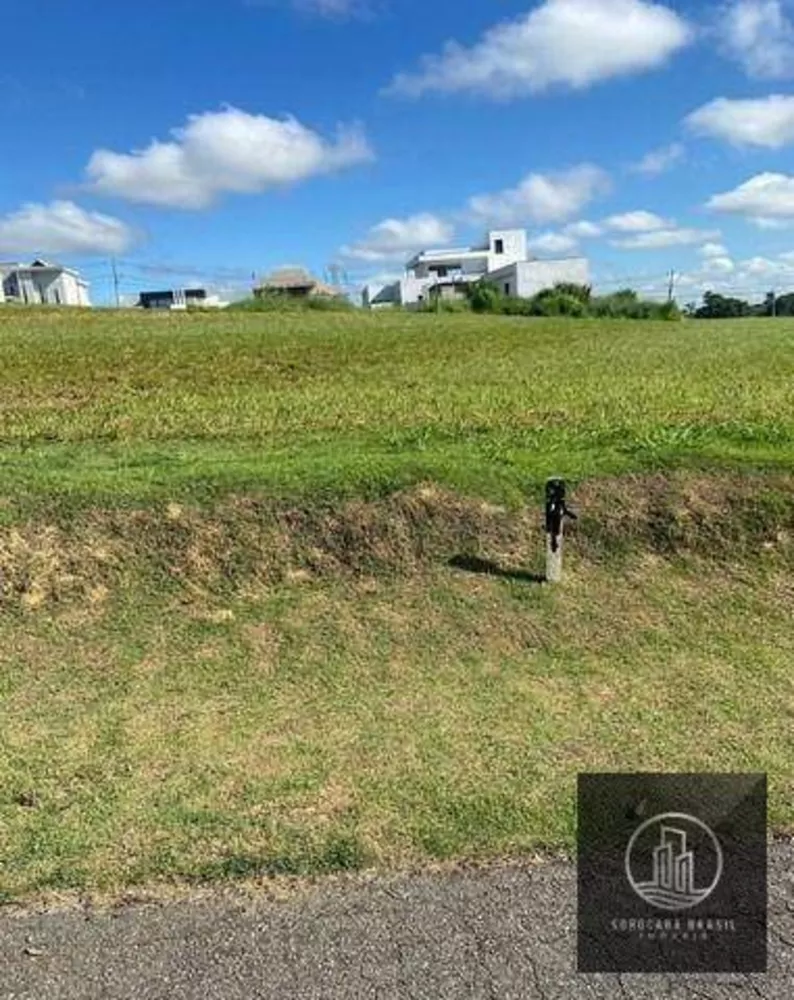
{"x":499,"y":246}
{"x":507,"y":288}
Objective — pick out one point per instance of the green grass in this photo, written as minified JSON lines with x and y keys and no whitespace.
{"x":118,"y":408}
{"x":227,"y":650}
{"x":334,"y":726}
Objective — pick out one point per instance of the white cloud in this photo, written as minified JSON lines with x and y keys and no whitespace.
{"x":62,"y":227}
{"x":782,"y":266}
{"x":552,"y":243}
{"x":662,"y":238}
{"x":337,"y":10}
{"x":658,"y":161}
{"x":766,"y":199}
{"x":636,"y":222}
{"x":748,"y":279}
{"x":582,"y":230}
{"x":394,"y":238}
{"x":760,"y":266}
{"x":560,"y":42}
{"x":767,"y":122}
{"x":719,"y":265}
{"x":541,"y":198}
{"x":765,"y":223}
{"x":219,"y":152}
{"x":759,"y":35}
{"x":329,"y":8}
{"x":713,"y":250}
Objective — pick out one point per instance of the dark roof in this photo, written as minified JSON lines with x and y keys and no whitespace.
{"x":193,"y":293}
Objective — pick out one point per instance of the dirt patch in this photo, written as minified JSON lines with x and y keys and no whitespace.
{"x":244,"y":544}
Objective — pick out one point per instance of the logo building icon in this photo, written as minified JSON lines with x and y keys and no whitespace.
{"x":681,"y":877}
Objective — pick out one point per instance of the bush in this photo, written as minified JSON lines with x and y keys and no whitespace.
{"x":670,"y":311}
{"x":439,"y":305}
{"x":564,"y":299}
{"x":625,"y":304}
{"x":485,"y":296}
{"x":329,"y":303}
{"x":513,"y":306}
{"x":558,"y":303}
{"x":453,"y":305}
{"x":289,"y":303}
{"x":581,"y":292}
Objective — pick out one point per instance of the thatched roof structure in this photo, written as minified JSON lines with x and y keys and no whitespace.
{"x":297,"y":281}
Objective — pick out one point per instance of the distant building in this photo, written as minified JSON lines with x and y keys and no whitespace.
{"x":502,"y":259}
{"x":42,"y":283}
{"x":179,"y":298}
{"x":294,"y":282}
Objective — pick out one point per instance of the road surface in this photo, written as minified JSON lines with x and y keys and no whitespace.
{"x":497,"y":933}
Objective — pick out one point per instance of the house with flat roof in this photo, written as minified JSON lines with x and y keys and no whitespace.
{"x":502,"y":258}
{"x":42,"y":283}
{"x":179,"y":299}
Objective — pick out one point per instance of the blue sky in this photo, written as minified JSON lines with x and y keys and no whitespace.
{"x":202,"y":142}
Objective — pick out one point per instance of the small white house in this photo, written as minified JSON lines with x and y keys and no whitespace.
{"x":42,"y":283}
{"x":502,"y":259}
{"x":180,"y":299}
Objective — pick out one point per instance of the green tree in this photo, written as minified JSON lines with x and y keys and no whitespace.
{"x":484,"y":296}
{"x":717,"y":306}
{"x":778,"y":305}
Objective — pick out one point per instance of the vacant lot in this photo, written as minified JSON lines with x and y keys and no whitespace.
{"x":268,"y":584}
{"x":119,"y":406}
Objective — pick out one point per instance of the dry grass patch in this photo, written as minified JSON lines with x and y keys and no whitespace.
{"x":387,"y":718}
{"x":243,"y":547}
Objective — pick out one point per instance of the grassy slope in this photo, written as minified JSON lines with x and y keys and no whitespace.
{"x":107,"y":407}
{"x":317,"y":722}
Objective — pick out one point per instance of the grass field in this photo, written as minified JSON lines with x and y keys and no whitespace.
{"x":110,"y":408}
{"x":269,"y":602}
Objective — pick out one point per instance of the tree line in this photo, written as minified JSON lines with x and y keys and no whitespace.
{"x":717,"y":306}
{"x":563,"y":299}
{"x":579,"y":301}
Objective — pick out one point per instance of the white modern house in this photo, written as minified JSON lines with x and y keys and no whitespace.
{"x":502,"y":259}
{"x":180,"y":299}
{"x":42,"y":283}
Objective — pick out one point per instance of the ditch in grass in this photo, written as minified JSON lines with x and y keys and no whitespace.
{"x":396,"y":702}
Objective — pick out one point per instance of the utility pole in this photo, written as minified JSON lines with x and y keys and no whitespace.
{"x":115,"y":282}
{"x":773,"y":293}
{"x":334,"y":273}
{"x":671,"y":286}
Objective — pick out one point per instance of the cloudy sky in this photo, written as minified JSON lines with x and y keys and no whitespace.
{"x":203,"y":142}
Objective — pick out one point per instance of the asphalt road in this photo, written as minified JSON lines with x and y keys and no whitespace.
{"x":500,"y":934}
